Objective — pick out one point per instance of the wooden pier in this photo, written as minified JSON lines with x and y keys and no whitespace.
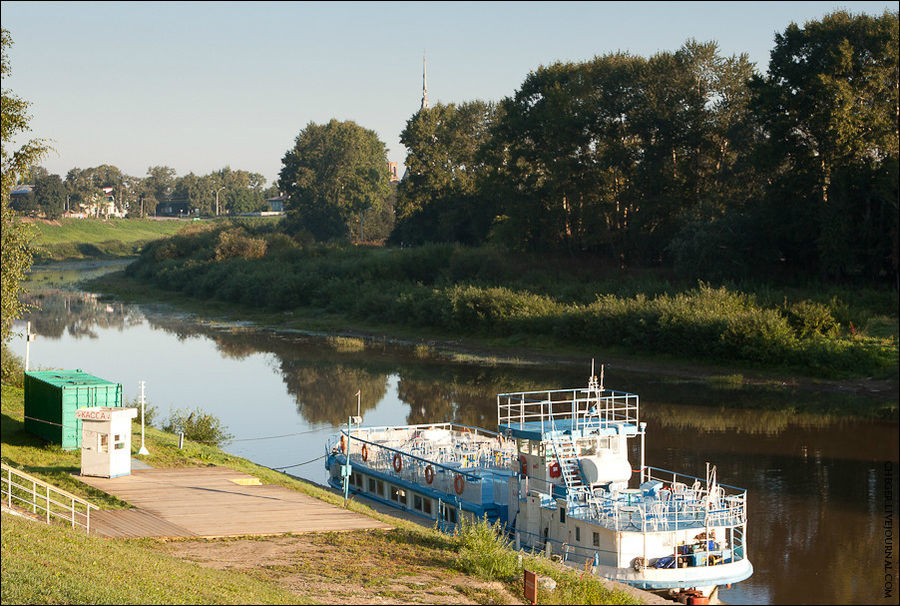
{"x":213,"y":502}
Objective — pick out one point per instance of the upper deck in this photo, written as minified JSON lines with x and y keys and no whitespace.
{"x":543,"y":415}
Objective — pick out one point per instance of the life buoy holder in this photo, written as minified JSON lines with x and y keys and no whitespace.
{"x":429,"y":474}
{"x":343,"y":444}
{"x":459,"y":484}
{"x":365,"y":453}
{"x":398,"y":462}
{"x":523,"y":464}
{"x":555,"y":470}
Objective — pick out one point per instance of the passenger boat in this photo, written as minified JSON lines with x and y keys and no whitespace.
{"x":557,"y":476}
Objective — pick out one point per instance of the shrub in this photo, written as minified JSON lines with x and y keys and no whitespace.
{"x":235,"y":243}
{"x":483,"y":549}
{"x":809,"y":318}
{"x":197,"y":426}
{"x":11,"y":368}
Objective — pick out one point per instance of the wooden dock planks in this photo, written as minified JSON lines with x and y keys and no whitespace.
{"x":205,"y":502}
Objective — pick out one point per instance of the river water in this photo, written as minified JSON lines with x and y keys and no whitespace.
{"x":822,"y":487}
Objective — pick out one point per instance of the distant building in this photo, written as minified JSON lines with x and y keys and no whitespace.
{"x":392,"y":172}
{"x":277,"y":204}
{"x":173,"y":209}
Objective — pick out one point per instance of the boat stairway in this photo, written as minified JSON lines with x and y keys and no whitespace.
{"x":570,"y":469}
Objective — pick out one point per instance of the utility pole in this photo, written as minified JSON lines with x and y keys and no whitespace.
{"x":29,"y":337}
{"x":143,"y":450}
{"x":217,"y":199}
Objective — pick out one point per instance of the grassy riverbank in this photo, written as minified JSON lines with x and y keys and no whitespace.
{"x":541,"y":302}
{"x":45,"y":564}
{"x":97,"y":238}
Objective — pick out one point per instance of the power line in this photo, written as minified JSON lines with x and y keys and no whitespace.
{"x":286,"y":435}
{"x":303,"y":463}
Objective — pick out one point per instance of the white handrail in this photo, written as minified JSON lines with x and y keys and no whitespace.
{"x":28,"y":495}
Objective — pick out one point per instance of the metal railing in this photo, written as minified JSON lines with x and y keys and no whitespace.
{"x":681,"y":502}
{"x":31,"y":494}
{"x":581,"y":408}
{"x":472,"y":475}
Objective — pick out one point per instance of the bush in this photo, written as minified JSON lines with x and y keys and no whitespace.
{"x":483,"y":549}
{"x":809,"y":318}
{"x":197,"y":426}
{"x":13,"y":370}
{"x":235,"y":243}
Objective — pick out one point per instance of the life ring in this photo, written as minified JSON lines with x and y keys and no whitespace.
{"x":429,"y":474}
{"x":343,"y":444}
{"x":365,"y":453}
{"x":555,"y":470}
{"x":459,"y":484}
{"x":523,"y":465}
{"x":398,"y":463}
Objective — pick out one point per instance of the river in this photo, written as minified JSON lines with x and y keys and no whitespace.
{"x":820,"y":485}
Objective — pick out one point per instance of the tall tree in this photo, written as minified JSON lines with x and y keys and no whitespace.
{"x":437,"y":200}
{"x":334,"y":172}
{"x":830,"y":105}
{"x":16,"y":254}
{"x":50,"y":196}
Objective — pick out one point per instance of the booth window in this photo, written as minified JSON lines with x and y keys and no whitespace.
{"x":118,"y":442}
{"x":104,"y":442}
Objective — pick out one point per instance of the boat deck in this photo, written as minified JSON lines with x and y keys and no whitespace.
{"x":213,"y":502}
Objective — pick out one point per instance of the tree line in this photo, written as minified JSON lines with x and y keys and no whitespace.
{"x":224,"y":191}
{"x":687,"y":158}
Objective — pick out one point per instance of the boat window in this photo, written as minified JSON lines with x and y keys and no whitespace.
{"x":449,"y":514}
{"x":380,"y":488}
{"x":372,"y":486}
{"x":562,"y":515}
{"x":417,"y":502}
{"x":398,"y":495}
{"x":578,"y":533}
{"x":426,"y":506}
{"x":596,"y":539}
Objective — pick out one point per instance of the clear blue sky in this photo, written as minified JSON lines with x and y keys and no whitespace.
{"x":198,"y":86}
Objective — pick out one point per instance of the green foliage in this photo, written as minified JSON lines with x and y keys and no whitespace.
{"x":12,"y":370}
{"x":236,"y":244}
{"x":484,"y":550}
{"x":333,"y":174}
{"x":14,"y":237}
{"x":197,"y":426}
{"x":483,"y":292}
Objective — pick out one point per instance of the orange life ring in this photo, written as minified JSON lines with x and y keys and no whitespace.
{"x":555,"y":471}
{"x":524,"y":465}
{"x":365,"y":453}
{"x":429,"y":474}
{"x":343,"y":444}
{"x":459,"y":484}
{"x":398,"y":463}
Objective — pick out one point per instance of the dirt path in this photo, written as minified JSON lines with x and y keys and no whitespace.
{"x":360,"y":567}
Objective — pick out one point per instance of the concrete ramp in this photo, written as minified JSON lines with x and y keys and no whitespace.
{"x":213,"y":502}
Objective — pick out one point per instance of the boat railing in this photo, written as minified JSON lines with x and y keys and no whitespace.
{"x":470,"y":479}
{"x":581,"y":408}
{"x":680,"y":501}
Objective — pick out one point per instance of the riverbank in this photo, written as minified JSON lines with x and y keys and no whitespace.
{"x":411,"y":563}
{"x":71,"y":239}
{"x":880,"y":394}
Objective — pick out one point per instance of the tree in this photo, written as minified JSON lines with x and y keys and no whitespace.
{"x":829,"y":104}
{"x":333,"y":173}
{"x":14,"y":240}
{"x":157,"y":186}
{"x":438,"y":199}
{"x":50,"y":196}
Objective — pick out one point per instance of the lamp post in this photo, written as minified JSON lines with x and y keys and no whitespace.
{"x":217,"y":199}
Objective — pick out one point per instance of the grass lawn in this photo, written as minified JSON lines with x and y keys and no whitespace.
{"x":90,"y":238}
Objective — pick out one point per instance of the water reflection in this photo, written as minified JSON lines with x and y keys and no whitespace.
{"x":816,"y":478}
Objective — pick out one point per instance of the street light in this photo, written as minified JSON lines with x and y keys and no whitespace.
{"x":217,"y":199}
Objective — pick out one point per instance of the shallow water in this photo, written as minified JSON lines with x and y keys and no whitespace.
{"x":818,"y":484}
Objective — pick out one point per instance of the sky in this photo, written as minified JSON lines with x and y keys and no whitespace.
{"x":201,"y":86}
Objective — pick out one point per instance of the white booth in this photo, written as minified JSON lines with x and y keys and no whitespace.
{"x":105,"y":441}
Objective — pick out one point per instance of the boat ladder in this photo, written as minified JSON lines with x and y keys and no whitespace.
{"x":567,"y":458}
